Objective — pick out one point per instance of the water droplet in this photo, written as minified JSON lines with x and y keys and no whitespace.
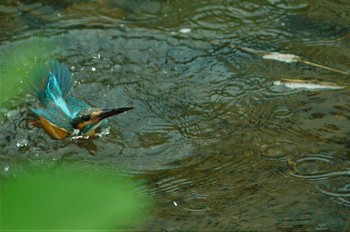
{"x":96,"y":56}
{"x":11,"y":114}
{"x":185,"y":30}
{"x":175,"y":203}
{"x":6,"y":168}
{"x":22,"y":143}
{"x":93,"y":69}
{"x":104,"y":131}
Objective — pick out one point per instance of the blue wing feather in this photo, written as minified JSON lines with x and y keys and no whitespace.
{"x":76,"y":106}
{"x":54,"y":94}
{"x":40,"y":76}
{"x":61,"y":72}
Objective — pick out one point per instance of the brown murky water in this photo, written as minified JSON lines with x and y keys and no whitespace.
{"x":219,"y":146}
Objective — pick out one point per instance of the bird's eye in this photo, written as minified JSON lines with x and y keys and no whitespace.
{"x":86,"y":117}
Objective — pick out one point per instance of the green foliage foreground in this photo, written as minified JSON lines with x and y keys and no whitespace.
{"x":16,"y":59}
{"x":69,"y":201}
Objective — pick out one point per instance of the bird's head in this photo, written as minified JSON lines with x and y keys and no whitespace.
{"x":88,"y":120}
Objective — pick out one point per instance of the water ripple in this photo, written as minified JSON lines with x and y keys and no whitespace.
{"x":198,"y":203}
{"x":317,"y":167}
{"x":329,"y":173}
{"x":172,"y":186}
{"x":210,"y":134}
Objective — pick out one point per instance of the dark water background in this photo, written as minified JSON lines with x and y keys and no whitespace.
{"x":218,"y":145}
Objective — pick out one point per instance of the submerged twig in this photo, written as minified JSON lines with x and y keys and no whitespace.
{"x":309,"y":85}
{"x":287,"y":58}
{"x":324,"y":67}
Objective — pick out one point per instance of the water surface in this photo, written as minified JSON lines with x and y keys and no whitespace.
{"x":219,"y":146}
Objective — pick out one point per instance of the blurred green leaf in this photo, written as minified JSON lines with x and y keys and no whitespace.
{"x":17,"y":59}
{"x":69,"y":201}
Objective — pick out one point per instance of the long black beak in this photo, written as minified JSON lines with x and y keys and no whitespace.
{"x":106,"y":113}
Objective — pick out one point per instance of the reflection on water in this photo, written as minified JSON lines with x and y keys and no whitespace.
{"x":219,"y":145}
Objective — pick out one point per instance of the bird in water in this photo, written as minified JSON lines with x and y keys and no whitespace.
{"x":61,"y":115}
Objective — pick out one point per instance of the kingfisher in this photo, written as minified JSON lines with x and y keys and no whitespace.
{"x":61,"y":115}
